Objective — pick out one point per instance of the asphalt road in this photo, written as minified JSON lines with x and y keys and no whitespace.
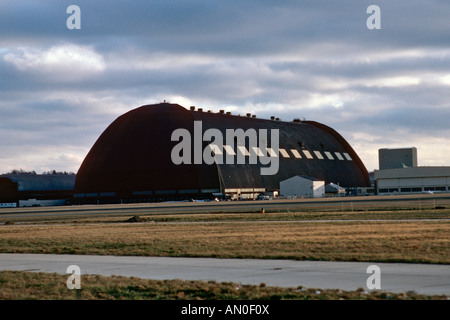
{"x":339,"y":203}
{"x":422,"y":278}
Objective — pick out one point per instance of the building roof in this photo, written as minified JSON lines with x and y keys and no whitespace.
{"x":42,"y":182}
{"x":336,"y":186}
{"x":332,"y":187}
{"x":302,"y":177}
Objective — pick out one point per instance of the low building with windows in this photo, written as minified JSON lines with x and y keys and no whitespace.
{"x":412,"y":180}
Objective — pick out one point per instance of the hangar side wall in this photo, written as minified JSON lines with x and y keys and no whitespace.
{"x":413,"y":180}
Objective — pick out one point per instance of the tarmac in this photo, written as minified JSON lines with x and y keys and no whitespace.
{"x":428,"y":279}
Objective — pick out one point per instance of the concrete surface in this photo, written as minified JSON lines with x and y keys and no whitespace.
{"x":395,"y":277}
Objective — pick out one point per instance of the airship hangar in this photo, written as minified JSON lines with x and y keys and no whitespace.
{"x":132,"y":160}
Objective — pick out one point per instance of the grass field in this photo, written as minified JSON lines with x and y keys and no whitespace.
{"x":51,"y":286}
{"x":385,"y":236}
{"x":411,"y":235}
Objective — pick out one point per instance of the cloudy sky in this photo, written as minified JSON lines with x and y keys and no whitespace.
{"x":318,"y":60}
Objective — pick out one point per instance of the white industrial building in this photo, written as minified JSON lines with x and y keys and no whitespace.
{"x":400,"y":174}
{"x":412,"y":180}
{"x":302,"y":186}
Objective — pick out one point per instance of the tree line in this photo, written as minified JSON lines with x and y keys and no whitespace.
{"x":21,"y":171}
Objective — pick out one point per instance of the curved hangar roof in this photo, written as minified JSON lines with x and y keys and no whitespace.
{"x":133,"y":155}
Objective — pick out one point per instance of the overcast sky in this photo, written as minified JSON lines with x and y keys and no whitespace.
{"x":380,"y":88}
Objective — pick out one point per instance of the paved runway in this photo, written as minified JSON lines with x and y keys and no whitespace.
{"x":421,"y":278}
{"x":339,"y":204}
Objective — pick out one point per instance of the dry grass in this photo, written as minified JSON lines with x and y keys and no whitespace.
{"x":16,"y":285}
{"x":301,"y":235}
{"x":288,"y":214}
{"x":387,"y":241}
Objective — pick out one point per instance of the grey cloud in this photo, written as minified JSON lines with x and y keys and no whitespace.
{"x":291,"y":59}
{"x":228,"y":27}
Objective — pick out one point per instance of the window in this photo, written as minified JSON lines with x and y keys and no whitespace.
{"x":142,"y":193}
{"x":209,"y":190}
{"x":229,"y":150}
{"x":214,"y":149}
{"x":187,"y":191}
{"x":339,"y":156}
{"x":296,"y":153}
{"x":347,"y":156}
{"x":107,"y":194}
{"x":318,"y":155}
{"x":272,"y":153}
{"x":284,"y":153}
{"x":258,"y":151}
{"x":307,"y":154}
{"x":405,"y":190}
{"x":165,"y":192}
{"x":91,"y":194}
{"x":243,"y":150}
{"x":329,"y":155}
